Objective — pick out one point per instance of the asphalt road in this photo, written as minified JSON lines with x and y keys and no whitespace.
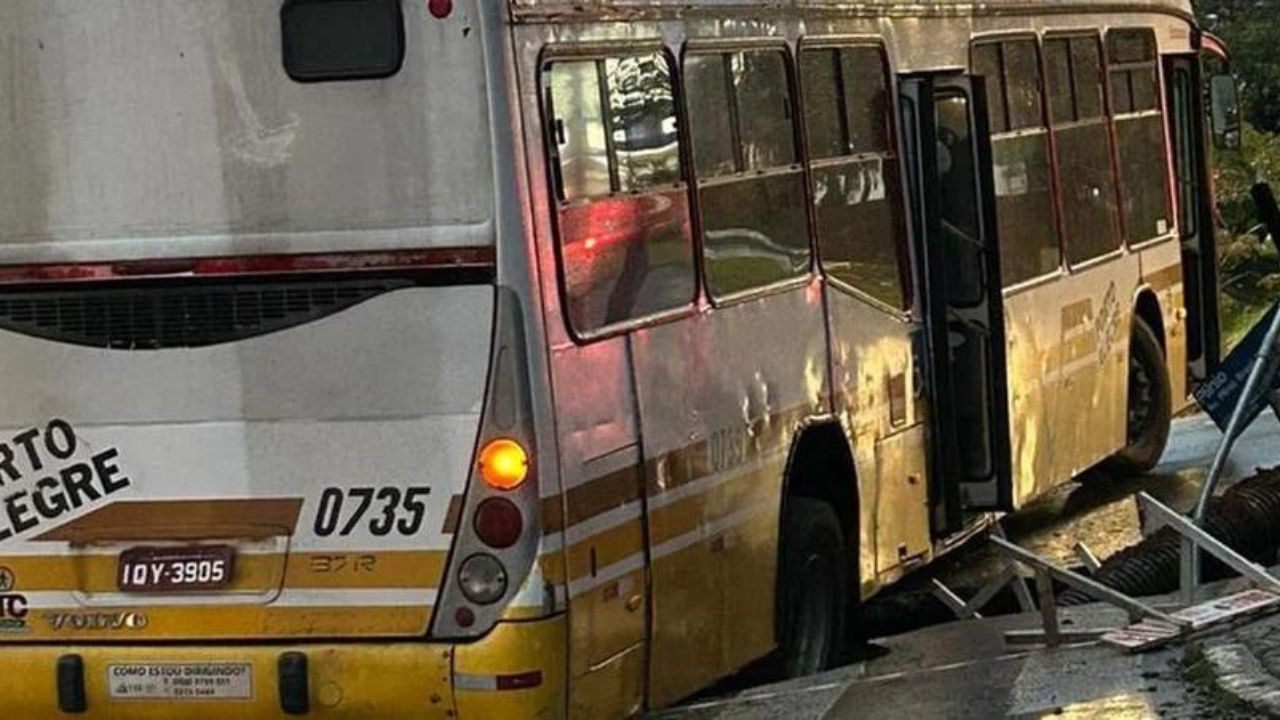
{"x":925,"y":667}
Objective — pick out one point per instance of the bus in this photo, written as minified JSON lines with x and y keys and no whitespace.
{"x":535,"y":358}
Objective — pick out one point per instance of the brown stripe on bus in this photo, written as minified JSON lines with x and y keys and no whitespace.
{"x":605,"y":493}
{"x":453,"y":516}
{"x":1076,"y":314}
{"x":552,"y":514}
{"x":1164,"y":279}
{"x":678,"y":467}
{"x":182,"y":520}
{"x":693,"y":462}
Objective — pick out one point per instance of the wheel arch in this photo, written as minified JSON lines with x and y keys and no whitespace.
{"x":1146,"y":306}
{"x":821,"y":466}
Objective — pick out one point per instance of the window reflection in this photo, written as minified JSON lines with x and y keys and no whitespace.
{"x":642,"y":115}
{"x":584,"y":157}
{"x":626,"y":246}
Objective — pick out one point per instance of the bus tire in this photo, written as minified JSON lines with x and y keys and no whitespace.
{"x":813,"y":589}
{"x":1150,"y":406}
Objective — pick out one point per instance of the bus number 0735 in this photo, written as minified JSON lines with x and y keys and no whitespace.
{"x":382,"y":510}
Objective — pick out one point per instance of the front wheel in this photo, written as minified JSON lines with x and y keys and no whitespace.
{"x":813,"y":588}
{"x":1150,"y":404}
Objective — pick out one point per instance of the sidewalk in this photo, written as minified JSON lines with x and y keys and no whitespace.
{"x":1242,"y":667}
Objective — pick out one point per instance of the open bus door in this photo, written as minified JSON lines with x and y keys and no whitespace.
{"x":948,"y":151}
{"x":1186,"y":116}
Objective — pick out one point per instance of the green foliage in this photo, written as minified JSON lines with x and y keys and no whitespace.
{"x":1250,"y":28}
{"x":1250,"y":270}
{"x":1236,"y":172}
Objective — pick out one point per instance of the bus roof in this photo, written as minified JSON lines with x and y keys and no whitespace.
{"x":1180,"y":8}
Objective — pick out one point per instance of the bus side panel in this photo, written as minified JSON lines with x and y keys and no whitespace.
{"x":1083,"y":368}
{"x":879,"y":402}
{"x":594,"y":550}
{"x":721,"y":396}
{"x":1034,"y":357}
{"x":603,"y":537}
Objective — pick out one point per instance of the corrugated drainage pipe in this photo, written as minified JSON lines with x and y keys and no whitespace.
{"x":1246,"y":517}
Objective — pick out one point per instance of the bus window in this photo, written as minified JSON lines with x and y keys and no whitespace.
{"x":625,"y":241}
{"x":1085,"y":177}
{"x":857,"y":189}
{"x":986,"y":62}
{"x":1139,"y":128}
{"x":752,"y":192}
{"x":1029,"y":244}
{"x":710,"y":119}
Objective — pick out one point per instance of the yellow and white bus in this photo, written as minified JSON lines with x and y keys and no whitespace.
{"x":479,"y":359}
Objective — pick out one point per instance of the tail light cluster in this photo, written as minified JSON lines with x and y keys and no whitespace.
{"x":497,"y":540}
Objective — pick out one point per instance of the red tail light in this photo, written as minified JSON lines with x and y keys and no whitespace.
{"x":498,"y":523}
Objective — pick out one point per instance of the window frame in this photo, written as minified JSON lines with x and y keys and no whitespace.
{"x":902,"y":243}
{"x":1158,"y":110}
{"x":725,"y":46}
{"x":1046,"y":118}
{"x":599,"y":51}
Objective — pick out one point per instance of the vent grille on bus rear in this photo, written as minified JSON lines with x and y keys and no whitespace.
{"x":159,"y":317}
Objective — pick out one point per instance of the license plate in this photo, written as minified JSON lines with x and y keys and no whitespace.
{"x":176,"y":569}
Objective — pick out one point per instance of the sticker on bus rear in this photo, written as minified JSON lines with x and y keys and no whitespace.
{"x":181,"y":681}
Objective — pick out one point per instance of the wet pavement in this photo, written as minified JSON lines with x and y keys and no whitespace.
{"x":925,"y":666}
{"x":965,"y":670}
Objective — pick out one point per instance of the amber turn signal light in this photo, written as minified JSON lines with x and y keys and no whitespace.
{"x":504,"y":464}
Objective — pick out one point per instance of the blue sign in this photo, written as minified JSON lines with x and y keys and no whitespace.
{"x":1221,"y":393}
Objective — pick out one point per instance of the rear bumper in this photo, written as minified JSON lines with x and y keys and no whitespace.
{"x":518,"y":671}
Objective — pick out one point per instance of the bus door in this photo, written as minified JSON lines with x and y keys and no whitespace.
{"x":1195,"y":214}
{"x":962,"y":345}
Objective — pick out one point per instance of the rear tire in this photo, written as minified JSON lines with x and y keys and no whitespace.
{"x":1150,"y":414}
{"x":813,"y":589}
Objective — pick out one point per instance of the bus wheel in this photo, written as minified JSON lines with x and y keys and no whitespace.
{"x":813,"y":589}
{"x":1150,"y":404}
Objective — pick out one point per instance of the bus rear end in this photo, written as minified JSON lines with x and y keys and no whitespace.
{"x":266,"y":431}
